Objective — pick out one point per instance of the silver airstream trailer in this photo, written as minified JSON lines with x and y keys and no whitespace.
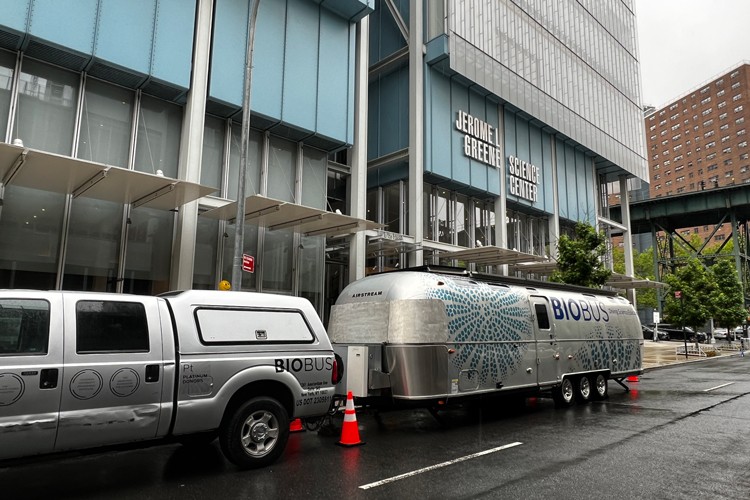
{"x":436,"y":334}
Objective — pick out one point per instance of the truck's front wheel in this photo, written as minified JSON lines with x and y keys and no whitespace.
{"x":256,"y":433}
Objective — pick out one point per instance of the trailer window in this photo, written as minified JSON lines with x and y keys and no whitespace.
{"x":542,"y":319}
{"x":24,"y":326}
{"x":109,"y":326}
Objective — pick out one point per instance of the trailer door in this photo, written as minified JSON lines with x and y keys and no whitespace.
{"x":546,"y":341}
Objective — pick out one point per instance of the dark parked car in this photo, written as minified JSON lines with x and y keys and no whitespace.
{"x":648,"y":333}
{"x":674,"y":332}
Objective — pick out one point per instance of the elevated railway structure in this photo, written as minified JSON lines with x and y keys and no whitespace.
{"x":667,"y":215}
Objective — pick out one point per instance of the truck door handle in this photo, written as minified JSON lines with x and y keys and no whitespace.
{"x":48,"y":378}
{"x":152,"y":373}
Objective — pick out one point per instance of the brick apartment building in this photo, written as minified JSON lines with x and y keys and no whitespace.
{"x":700,"y":141}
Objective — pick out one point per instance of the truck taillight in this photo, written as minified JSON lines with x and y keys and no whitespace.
{"x":338,"y":369}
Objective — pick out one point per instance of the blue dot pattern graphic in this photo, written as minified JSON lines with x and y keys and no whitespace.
{"x":608,"y":347}
{"x":492,"y":320}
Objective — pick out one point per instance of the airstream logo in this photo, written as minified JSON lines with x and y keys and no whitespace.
{"x":366,"y":294}
{"x":481,"y":140}
{"x":523,"y":179}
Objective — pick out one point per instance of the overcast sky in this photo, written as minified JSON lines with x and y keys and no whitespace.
{"x":684,"y":43}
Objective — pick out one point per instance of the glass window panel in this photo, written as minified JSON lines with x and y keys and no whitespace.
{"x":311,"y":269}
{"x":336,"y":191}
{"x":277,"y":261}
{"x":24,"y":327}
{"x":93,"y":245}
{"x":7,"y":65}
{"x":392,"y":207}
{"x":428,"y":216}
{"x":107,"y":326}
{"x":213,"y":152}
{"x":148,"y":253}
{"x":372,"y":205}
{"x":47,"y":101}
{"x":444,"y":216}
{"x":206,"y":250}
{"x":281,"y":169}
{"x":463,"y":221}
{"x":254,"y":159}
{"x":30,"y":222}
{"x":158,"y":143}
{"x":481,"y":225}
{"x":314,"y":167}
{"x":106,"y":124}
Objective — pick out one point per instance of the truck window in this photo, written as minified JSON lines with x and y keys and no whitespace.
{"x":109,"y":326}
{"x":542,"y":319}
{"x":24,"y":326}
{"x":250,"y":326}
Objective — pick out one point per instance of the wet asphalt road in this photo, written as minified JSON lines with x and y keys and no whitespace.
{"x":676,"y":434}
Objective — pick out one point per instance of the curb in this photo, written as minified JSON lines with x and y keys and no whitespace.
{"x":689,"y":361}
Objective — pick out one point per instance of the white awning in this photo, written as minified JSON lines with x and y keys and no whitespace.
{"x":492,"y":256}
{"x":276,"y":214}
{"x":624,"y":282}
{"x":30,"y":168}
{"x":541,"y":268}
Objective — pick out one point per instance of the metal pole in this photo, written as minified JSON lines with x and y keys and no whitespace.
{"x":239,"y":221}
{"x":684,"y":332}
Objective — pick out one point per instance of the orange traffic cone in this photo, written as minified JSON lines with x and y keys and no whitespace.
{"x":633,"y":378}
{"x":296,"y":425}
{"x":350,"y":430}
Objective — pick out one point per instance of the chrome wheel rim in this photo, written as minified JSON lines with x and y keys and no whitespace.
{"x":584,"y":387}
{"x":567,"y":390}
{"x":601,"y":385}
{"x":259,"y":433}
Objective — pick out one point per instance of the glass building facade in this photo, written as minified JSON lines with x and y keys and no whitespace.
{"x":522,"y":112}
{"x":450,"y":124}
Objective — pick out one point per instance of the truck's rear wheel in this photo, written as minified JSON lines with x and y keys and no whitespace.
{"x":599,"y":386}
{"x":583,"y":389}
{"x":564,"y":394}
{"x":255,"y":435}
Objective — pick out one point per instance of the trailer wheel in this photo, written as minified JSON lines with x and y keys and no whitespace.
{"x":564,"y":394}
{"x":583,"y":389}
{"x":255,"y":435}
{"x":599,"y":386}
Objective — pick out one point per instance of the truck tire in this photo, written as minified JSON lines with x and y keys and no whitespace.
{"x":255,"y":434}
{"x":583,"y":389}
{"x":564,"y":394}
{"x":599,"y":389}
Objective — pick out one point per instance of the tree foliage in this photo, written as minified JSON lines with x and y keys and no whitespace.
{"x":579,"y":260}
{"x":697,"y":287}
{"x":727,"y":298}
{"x":643,"y":266}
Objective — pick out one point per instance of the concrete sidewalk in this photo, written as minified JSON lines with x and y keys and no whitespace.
{"x":662,"y":353}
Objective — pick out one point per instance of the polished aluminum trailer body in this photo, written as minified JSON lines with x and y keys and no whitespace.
{"x":421,"y":335}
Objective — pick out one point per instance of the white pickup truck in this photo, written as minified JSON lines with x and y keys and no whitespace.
{"x":81,"y":370}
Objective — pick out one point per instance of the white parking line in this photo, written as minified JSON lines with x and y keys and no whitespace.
{"x":437,"y":466}
{"x":718,"y":387}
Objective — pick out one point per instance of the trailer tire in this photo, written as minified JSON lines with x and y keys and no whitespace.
{"x":583,"y":389}
{"x":564,"y":394}
{"x":255,"y":434}
{"x":599,"y":388}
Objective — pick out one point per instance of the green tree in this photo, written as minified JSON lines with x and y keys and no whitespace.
{"x":727,"y":299}
{"x":643,"y":265}
{"x":579,"y":260}
{"x":696,"y":285}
